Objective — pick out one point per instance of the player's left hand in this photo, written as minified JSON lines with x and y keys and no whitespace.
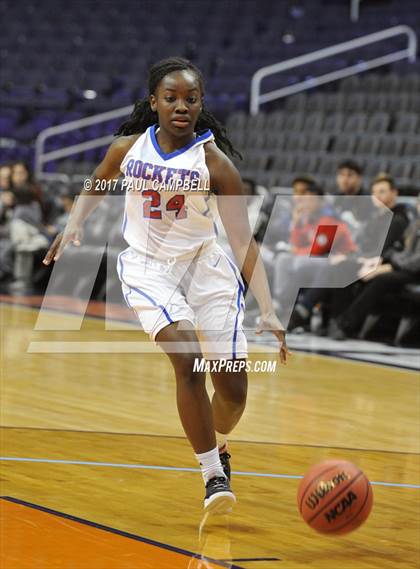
{"x":272,"y":324}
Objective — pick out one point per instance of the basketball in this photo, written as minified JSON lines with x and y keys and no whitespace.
{"x":335,"y":497}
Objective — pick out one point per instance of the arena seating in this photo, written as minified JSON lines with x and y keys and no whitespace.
{"x":314,"y":131}
{"x":51,"y":53}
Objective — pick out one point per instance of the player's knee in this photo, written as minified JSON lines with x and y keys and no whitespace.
{"x":186,"y":368}
{"x":235,"y":394}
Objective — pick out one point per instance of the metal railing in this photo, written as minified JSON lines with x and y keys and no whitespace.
{"x":258,"y":99}
{"x":354,"y":10}
{"x":41,"y":157}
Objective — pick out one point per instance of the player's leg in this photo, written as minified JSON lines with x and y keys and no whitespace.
{"x":229,"y":399}
{"x":192,"y":399}
{"x":228,"y":404}
{"x":216,"y":296}
{"x":195,"y":412}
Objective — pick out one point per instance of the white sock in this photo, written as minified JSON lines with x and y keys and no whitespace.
{"x":210,"y":464}
{"x":221,"y":440}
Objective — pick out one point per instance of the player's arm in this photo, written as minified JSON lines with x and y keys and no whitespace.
{"x":225,"y":178}
{"x":108,"y":169}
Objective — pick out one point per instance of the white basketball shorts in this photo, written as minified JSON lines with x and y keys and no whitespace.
{"x":207,"y":291}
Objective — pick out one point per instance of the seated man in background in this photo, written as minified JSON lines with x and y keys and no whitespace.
{"x":396,"y":269}
{"x":384,"y":193}
{"x":384,"y":196}
{"x":313,"y":231}
{"x":350,"y":184}
{"x":276,"y":234}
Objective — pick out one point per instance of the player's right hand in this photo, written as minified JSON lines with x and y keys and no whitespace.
{"x":271,"y":323}
{"x":70,"y":234}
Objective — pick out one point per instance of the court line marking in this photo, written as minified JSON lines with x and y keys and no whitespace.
{"x":220,"y":563}
{"x":255,"y":559}
{"x":236,"y":441}
{"x":178,"y":469}
{"x":343,"y":355}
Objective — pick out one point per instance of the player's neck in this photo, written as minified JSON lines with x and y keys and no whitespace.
{"x":169,"y":143}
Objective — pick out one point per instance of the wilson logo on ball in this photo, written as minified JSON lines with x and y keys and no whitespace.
{"x":324,"y":488}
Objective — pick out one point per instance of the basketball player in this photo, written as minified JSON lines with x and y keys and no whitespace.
{"x":182,"y":285}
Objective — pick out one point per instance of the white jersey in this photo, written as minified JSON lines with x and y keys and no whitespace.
{"x":169,"y":210}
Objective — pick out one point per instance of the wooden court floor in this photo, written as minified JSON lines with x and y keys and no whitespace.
{"x":96,"y":473}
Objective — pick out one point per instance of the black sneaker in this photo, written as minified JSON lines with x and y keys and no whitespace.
{"x":219,"y":497}
{"x":224,"y":459}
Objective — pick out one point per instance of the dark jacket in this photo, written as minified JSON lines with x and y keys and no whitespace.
{"x":409,"y":258}
{"x":395,"y":235}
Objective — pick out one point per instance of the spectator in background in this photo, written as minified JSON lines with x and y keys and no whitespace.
{"x":275,"y":234}
{"x":313,"y":230}
{"x":22,"y":177}
{"x":67,"y":201}
{"x":349,"y":179}
{"x":384,"y":197}
{"x":6,"y":214}
{"x":6,"y":195}
{"x":28,"y":232}
{"x":21,"y":174}
{"x":5,"y":177}
{"x":350,"y":184}
{"x":23,"y":182}
{"x":302,"y":185}
{"x":396,"y":269}
{"x":310,"y":233}
{"x":274,"y":226}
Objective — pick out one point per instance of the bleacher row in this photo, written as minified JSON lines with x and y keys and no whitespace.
{"x":372,"y":118}
{"x":330,"y":122}
{"x":353,"y":102}
{"x":374,"y":82}
{"x":280,"y":169}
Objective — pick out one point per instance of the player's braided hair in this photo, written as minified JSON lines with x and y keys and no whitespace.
{"x":142,"y":116}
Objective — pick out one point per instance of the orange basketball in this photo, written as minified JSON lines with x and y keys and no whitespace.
{"x":335,"y":497}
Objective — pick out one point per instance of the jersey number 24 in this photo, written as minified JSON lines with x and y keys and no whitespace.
{"x":152,"y":205}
